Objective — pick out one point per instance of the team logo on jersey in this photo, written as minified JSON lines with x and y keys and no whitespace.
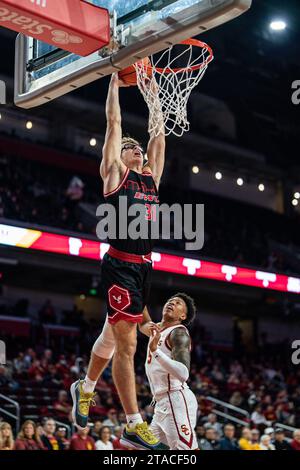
{"x":185,"y":430}
{"x":119,"y":298}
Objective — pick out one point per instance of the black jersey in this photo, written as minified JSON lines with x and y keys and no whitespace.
{"x":139,"y":188}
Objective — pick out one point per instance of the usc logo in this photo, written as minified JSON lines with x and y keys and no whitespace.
{"x":185,"y":430}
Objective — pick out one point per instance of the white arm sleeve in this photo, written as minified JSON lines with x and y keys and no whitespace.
{"x":175,"y":368}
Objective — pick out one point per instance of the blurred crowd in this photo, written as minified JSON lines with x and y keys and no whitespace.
{"x":44,"y":195}
{"x":268,"y":392}
{"x":47,"y":435}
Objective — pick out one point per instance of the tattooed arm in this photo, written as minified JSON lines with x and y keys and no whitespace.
{"x":181,"y":344}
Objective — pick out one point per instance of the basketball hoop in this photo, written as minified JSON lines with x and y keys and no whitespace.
{"x":166,"y":87}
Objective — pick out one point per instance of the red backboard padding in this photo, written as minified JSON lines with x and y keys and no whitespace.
{"x":73,"y":25}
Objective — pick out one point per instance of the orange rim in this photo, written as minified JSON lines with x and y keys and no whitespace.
{"x":188,"y":42}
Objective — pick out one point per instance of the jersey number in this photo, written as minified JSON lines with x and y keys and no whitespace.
{"x":150,"y":212}
{"x":149,"y":358}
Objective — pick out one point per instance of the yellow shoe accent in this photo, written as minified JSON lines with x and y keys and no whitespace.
{"x":142,"y":430}
{"x":85,"y":401}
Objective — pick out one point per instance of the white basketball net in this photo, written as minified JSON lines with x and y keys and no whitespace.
{"x":168,"y":90}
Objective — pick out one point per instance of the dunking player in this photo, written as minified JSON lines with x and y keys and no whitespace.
{"x":126,"y":270}
{"x":167,"y":369}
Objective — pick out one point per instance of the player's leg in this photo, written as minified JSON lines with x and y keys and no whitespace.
{"x":182,"y":414}
{"x":102,"y":352}
{"x":137,"y":434}
{"x":156,"y":427}
{"x":82,"y":390}
{"x":125,"y":334}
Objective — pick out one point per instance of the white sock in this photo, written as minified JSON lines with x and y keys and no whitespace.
{"x":88,"y":385}
{"x":134,"y":419}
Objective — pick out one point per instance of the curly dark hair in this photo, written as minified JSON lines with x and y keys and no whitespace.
{"x":190,"y":305}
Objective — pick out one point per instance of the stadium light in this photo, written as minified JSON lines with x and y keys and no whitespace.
{"x":297,"y":195}
{"x":261,"y":187}
{"x":195,"y":169}
{"x":240,"y":181}
{"x":295,"y":202}
{"x":29,"y":125}
{"x":93,"y":142}
{"x":278,"y":25}
{"x":218,"y":175}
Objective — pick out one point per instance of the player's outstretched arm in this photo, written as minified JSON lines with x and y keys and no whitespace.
{"x":111,"y":153}
{"x":157,"y":143}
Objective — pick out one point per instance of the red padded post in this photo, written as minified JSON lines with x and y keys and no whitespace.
{"x":73,"y":25}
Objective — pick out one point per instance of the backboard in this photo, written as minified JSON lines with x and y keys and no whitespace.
{"x":138,"y":28}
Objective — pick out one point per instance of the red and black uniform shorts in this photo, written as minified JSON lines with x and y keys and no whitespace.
{"x":126,"y":283}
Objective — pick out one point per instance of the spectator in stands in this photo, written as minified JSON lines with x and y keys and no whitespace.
{"x":47,"y":313}
{"x":112,"y":419}
{"x":255,"y":437}
{"x":236,"y":399}
{"x":270,"y":432}
{"x":213,"y":423}
{"x":95,"y":429}
{"x":62,"y":406}
{"x":28,"y":438}
{"x":61,"y":434}
{"x":39,"y":430}
{"x":245,"y":442}
{"x":209,"y":442}
{"x":265,"y":443}
{"x":270,"y":414}
{"x":48,"y":439}
{"x":121,"y":418}
{"x":82,"y":441}
{"x":280,"y":443}
{"x":36,"y":371}
{"x":52,"y":377}
{"x":75,"y":189}
{"x":104,"y":442}
{"x":6,"y":437}
{"x":258,"y":418}
{"x":228,"y":442}
{"x":200,"y":432}
{"x":20,"y":363}
{"x":295,"y":443}
{"x":118,"y":430}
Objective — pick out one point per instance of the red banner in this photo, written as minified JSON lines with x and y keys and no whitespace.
{"x":92,"y":249}
{"x":73,"y":25}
